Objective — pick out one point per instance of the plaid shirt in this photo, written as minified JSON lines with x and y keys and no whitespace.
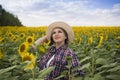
{"x":59,"y":61}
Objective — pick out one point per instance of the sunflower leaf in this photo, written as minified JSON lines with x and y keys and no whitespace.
{"x":6,"y":69}
{"x":45,"y":71}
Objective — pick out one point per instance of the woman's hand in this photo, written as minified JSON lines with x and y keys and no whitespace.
{"x":39,"y":41}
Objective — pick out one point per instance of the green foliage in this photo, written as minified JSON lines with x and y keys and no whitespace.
{"x":2,"y":71}
{"x":45,"y":71}
{"x":99,"y":63}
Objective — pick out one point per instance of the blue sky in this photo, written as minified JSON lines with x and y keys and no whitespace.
{"x":74,"y":12}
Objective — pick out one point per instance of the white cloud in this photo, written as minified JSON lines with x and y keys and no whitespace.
{"x":43,"y":12}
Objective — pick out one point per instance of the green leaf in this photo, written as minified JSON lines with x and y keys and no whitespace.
{"x":68,"y":58}
{"x":45,"y":71}
{"x":86,"y":58}
{"x":102,"y":71}
{"x":23,"y":64}
{"x":35,"y":79}
{"x":101,"y":61}
{"x":6,"y":69}
{"x":114,"y":69}
{"x":64,"y":72}
{"x":88,"y":78}
{"x":98,"y":77}
{"x":5,"y":76}
{"x":107,"y":66}
{"x":76,"y":68}
{"x":85,"y":66}
{"x":78,"y":78}
{"x":59,"y":77}
{"x":113,"y":77}
{"x":68,"y":66}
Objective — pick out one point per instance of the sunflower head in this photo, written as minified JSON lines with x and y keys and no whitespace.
{"x":90,"y":40}
{"x":30,"y":40}
{"x":9,"y":34}
{"x":108,"y":48}
{"x":26,"y":57}
{"x":3,"y":40}
{"x":47,"y":43}
{"x":31,"y":58}
{"x":14,"y":38}
{"x":118,"y":46}
{"x":22,"y":35}
{"x":23,"y":48}
{"x":42,"y":48}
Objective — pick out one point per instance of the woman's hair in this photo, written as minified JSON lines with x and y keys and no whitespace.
{"x":66,"y":40}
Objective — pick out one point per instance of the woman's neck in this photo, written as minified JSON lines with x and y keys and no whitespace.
{"x":58,"y":45}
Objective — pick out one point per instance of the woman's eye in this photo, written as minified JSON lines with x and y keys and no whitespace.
{"x":54,"y":32}
{"x":59,"y":31}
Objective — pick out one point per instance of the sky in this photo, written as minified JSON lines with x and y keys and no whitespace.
{"x":74,"y":12}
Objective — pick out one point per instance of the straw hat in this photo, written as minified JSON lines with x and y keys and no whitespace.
{"x":62,"y":25}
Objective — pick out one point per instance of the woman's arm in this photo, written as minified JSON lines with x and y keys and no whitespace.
{"x":39,"y":41}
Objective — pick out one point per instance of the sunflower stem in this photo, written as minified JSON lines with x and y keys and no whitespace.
{"x":33,"y":74}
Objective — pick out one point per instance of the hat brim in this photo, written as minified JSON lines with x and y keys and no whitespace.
{"x":62,"y":25}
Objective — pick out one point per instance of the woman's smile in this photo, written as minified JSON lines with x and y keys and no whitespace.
{"x":57,"y":37}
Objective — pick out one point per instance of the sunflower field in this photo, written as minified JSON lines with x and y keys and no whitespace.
{"x":97,"y":48}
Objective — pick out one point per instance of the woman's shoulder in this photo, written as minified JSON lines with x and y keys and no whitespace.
{"x":69,"y":51}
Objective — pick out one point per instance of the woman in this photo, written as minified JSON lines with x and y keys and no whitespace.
{"x":60,"y":35}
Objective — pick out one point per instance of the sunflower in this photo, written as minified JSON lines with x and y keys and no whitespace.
{"x":81,"y":39}
{"x":100,"y":41}
{"x":117,"y":45}
{"x":90,"y":40}
{"x":3,"y":40}
{"x":31,"y":58}
{"x":75,"y":40}
{"x":30,"y":40}
{"x":14,"y":38}
{"x":9,"y":34}
{"x":1,"y":54}
{"x":42,"y":48}
{"x":23,"y":48}
{"x":22,"y":35}
{"x":47,"y":43}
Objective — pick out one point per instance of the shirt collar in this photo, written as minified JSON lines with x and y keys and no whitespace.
{"x":53,"y":48}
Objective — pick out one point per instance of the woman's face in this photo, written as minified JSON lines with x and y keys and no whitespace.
{"x":58,"y":35}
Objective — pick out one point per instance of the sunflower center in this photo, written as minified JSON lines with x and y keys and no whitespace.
{"x":22,"y":48}
{"x":3,"y":40}
{"x":29,"y":40}
{"x":10,"y":35}
{"x":21,"y":35}
{"x":14,"y":39}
